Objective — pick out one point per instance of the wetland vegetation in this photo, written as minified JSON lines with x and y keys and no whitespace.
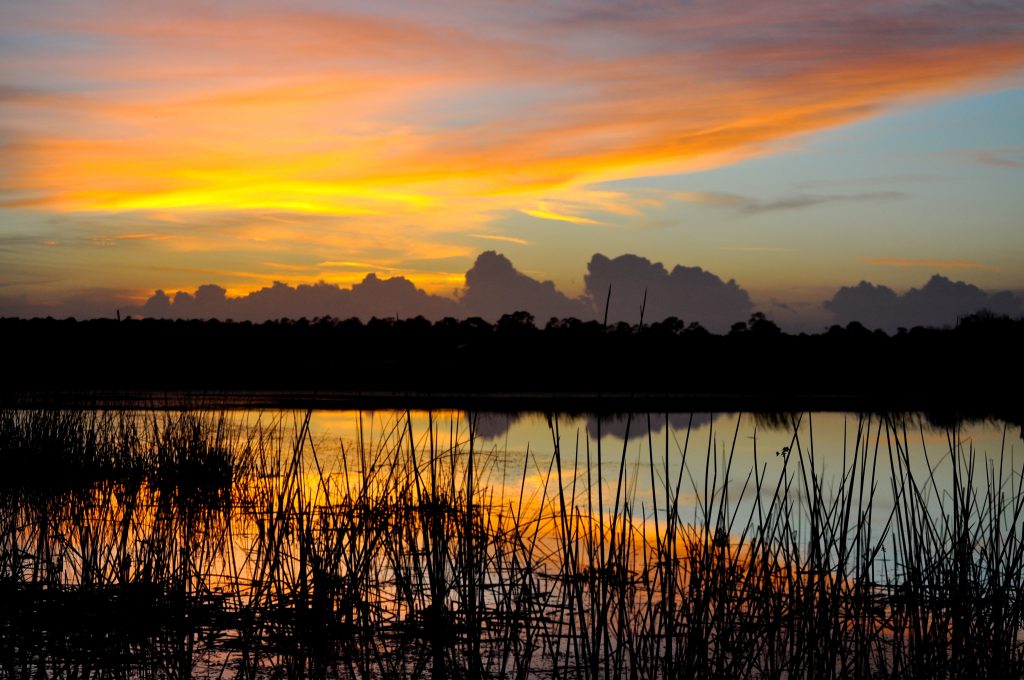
{"x":180,"y":543}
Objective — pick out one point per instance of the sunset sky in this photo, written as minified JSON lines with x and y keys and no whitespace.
{"x":792,"y":146}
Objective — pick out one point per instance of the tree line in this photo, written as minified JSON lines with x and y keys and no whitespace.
{"x":973,"y":365}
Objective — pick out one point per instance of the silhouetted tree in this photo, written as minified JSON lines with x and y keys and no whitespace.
{"x":760,"y":325}
{"x":517,"y":322}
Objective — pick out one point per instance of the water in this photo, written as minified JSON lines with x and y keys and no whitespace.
{"x":393,"y":543}
{"x":652,"y":454}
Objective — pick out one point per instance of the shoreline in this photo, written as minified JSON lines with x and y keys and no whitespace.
{"x":943,"y":408}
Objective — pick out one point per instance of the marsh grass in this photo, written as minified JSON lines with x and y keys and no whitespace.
{"x":184,"y":544}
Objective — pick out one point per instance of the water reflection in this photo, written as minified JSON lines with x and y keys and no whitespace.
{"x":497,"y":426}
{"x":391,"y":544}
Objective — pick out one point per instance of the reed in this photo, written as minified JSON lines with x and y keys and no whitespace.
{"x":181,"y":544}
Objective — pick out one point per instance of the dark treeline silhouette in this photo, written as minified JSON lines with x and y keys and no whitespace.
{"x":972,"y":367}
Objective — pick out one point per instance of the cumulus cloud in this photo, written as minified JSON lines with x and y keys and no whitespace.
{"x":938,"y":303}
{"x":689,"y":293}
{"x":495,"y":287}
{"x":371,"y":297}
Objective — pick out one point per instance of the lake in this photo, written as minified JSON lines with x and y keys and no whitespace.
{"x":393,"y":543}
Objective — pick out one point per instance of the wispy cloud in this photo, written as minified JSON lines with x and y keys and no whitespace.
{"x":756,"y":249}
{"x":1009,"y":157}
{"x":711,"y":198}
{"x":351,"y":264}
{"x":141,"y":237}
{"x":544,"y":214}
{"x":503,"y":239}
{"x":349,"y":113}
{"x":287,"y":267}
{"x":929,"y":263}
{"x":749,"y":205}
{"x":112,"y":239}
{"x":882,"y":180}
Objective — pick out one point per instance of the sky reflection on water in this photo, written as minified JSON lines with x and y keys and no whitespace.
{"x":696,"y":453}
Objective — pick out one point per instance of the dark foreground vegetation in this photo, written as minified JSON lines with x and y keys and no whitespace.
{"x":182,"y":544}
{"x":972,"y":369}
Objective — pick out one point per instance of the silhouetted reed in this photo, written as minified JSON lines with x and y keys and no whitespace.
{"x":219,"y":547}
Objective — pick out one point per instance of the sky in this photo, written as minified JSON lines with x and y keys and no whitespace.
{"x":792,"y":147}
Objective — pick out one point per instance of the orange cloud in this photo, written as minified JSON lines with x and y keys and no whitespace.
{"x":324,"y":113}
{"x":351,"y":132}
{"x":543,"y":213}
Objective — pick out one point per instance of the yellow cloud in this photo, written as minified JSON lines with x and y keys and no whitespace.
{"x":374,"y":138}
{"x":347,"y":115}
{"x":499,"y":237}
{"x":542,"y":214}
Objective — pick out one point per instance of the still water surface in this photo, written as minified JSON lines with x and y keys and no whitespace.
{"x":686,"y":453}
{"x":395,"y":543}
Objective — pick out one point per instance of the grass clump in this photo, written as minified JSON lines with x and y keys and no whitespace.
{"x":58,"y":449}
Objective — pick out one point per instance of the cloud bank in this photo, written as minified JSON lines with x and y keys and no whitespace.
{"x":373,"y":296}
{"x":494,"y":287}
{"x":938,"y":303}
{"x":688,"y":293}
